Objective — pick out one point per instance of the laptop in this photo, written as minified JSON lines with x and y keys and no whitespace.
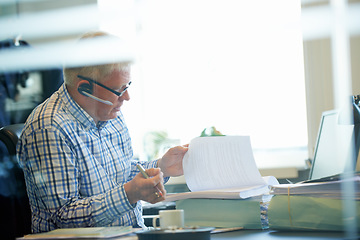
{"x":334,"y":153}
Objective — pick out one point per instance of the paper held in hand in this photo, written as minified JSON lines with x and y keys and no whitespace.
{"x":222,"y":167}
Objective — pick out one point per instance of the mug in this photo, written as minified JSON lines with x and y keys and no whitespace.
{"x":170,"y":219}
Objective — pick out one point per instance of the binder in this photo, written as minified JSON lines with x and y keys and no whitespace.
{"x":226,"y":213}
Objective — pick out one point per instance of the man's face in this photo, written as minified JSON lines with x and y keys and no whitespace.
{"x":117,"y":81}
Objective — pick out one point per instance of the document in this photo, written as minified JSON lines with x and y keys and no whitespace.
{"x":83,"y":233}
{"x":222,"y":167}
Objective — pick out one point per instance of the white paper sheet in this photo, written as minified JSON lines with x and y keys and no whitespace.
{"x":220,"y":162}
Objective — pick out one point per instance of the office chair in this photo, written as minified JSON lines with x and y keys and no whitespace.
{"x":15,"y":214}
{"x":9,"y":135}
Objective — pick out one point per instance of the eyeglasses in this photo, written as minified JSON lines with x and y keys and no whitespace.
{"x":119,"y":94}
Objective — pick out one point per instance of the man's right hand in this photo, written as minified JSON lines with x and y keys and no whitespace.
{"x":140,"y":188}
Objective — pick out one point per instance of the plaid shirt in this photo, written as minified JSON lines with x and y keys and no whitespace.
{"x":75,"y":170}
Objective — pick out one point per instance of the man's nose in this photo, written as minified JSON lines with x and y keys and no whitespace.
{"x":125,"y":96}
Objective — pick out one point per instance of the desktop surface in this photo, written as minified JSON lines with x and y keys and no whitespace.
{"x":274,"y":234}
{"x":247,"y":234}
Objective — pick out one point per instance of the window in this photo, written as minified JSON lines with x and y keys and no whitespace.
{"x":235,"y":65}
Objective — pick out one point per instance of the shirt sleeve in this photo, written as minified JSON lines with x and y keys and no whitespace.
{"x":51,"y":167}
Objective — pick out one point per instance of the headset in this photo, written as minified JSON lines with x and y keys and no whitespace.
{"x":86,"y":89}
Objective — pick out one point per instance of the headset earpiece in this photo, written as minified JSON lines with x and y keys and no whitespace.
{"x":85,"y":87}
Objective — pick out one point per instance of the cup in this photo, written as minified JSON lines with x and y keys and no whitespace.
{"x":170,"y":219}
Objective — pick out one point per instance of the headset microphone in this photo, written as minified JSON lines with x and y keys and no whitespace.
{"x":97,"y":99}
{"x":85,"y":90}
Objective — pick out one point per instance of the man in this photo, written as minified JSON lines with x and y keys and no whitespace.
{"x":76,"y":154}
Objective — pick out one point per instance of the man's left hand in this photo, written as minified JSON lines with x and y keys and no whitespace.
{"x":171,"y":163}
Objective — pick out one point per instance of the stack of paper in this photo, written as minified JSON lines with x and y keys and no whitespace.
{"x":226,"y":186}
{"x":222,"y":167}
{"x":330,"y":189}
{"x":314,"y":206}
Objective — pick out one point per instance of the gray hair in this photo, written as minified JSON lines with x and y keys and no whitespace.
{"x":96,"y":72}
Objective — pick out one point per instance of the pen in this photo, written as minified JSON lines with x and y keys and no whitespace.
{"x":142,"y":170}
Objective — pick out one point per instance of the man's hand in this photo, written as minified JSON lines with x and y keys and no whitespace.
{"x":171,"y":163}
{"x":140,"y":188}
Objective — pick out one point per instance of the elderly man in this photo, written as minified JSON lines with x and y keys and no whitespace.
{"x":77,"y":157}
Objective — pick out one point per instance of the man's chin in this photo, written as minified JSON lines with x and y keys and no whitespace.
{"x":110,"y":116}
{"x":113,"y":115}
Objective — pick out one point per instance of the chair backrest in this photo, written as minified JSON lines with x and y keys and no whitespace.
{"x":15,"y":217}
{"x":9,"y":135}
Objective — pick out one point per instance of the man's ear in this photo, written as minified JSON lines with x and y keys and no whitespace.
{"x":84,"y":86}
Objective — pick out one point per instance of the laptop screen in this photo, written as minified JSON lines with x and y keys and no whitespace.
{"x":333,"y":146}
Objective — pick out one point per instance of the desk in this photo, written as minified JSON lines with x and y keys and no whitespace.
{"x":273,"y":235}
{"x":267,"y":235}
{"x":247,"y":234}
